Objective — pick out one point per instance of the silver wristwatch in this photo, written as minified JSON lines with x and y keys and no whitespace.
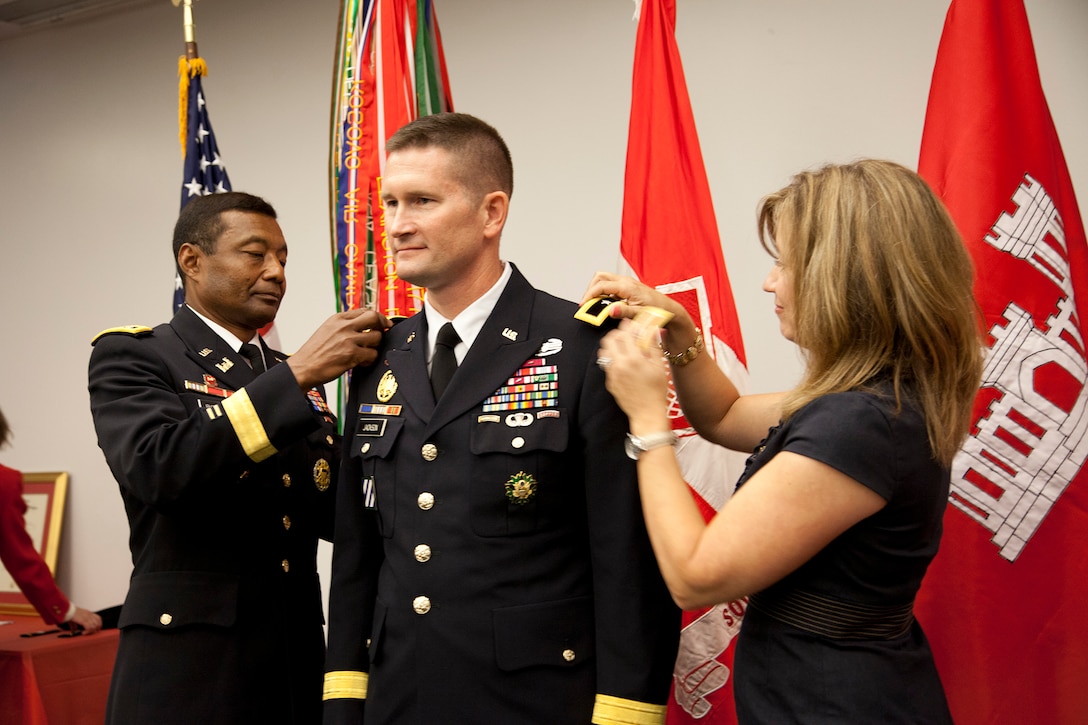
{"x":635,"y":445}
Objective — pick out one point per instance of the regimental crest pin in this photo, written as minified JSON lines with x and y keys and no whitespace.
{"x":321,"y":474}
{"x":521,"y":488}
{"x":387,"y":387}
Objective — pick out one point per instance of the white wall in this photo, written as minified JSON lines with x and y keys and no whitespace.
{"x":91,"y":166}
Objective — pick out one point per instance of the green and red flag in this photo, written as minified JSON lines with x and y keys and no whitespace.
{"x":390,"y":70}
{"x":1003,"y":603}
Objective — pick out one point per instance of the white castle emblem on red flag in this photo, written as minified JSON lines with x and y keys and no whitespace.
{"x":1029,"y":445}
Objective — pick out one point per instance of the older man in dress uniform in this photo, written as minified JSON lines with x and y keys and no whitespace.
{"x":225,"y":453}
{"x":490,"y":562}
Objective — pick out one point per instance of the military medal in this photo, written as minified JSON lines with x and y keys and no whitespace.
{"x":375,"y":409}
{"x":207,"y":389}
{"x":534,"y":385}
{"x":317,"y":402}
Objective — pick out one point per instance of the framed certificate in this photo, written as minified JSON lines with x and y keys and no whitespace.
{"x":44,"y":494}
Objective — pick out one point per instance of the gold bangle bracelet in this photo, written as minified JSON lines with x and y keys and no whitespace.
{"x":680,"y":359}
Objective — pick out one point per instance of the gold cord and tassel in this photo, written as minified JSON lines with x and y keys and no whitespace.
{"x":190,"y":65}
{"x":187,"y":68}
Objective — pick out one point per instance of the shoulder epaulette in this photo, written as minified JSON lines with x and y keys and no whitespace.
{"x":596,"y":311}
{"x":134,"y":330}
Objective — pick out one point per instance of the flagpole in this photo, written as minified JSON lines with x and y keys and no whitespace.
{"x":203,"y":171}
{"x":189,"y":25}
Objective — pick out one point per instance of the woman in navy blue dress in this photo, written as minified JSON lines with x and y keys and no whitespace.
{"x":839,"y":510}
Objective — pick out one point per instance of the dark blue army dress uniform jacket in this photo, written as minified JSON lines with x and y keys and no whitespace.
{"x":227,"y":482}
{"x":491,"y":563}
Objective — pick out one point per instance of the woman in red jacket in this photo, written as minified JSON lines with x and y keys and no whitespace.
{"x":25,"y":564}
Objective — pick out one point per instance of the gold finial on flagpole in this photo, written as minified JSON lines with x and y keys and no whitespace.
{"x":190,"y":27}
{"x":189,"y":65}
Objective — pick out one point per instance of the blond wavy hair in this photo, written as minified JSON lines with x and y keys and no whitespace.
{"x":882,"y":288}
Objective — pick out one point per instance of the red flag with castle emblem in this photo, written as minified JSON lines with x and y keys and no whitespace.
{"x":670,"y":240}
{"x":1003,"y":603}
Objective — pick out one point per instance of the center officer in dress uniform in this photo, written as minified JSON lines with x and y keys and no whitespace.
{"x":490,"y":562}
{"x":227,"y":478}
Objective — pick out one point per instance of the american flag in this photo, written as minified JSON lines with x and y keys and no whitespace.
{"x":204,"y":172}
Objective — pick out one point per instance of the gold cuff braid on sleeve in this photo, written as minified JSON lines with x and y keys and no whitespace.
{"x":248,"y":427}
{"x":345,"y":685}
{"x":609,"y":710}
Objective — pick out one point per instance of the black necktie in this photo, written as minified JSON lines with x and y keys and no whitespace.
{"x":444,"y":362}
{"x":253,"y":353}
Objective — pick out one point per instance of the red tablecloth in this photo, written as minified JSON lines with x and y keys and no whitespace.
{"x":50,"y":680}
